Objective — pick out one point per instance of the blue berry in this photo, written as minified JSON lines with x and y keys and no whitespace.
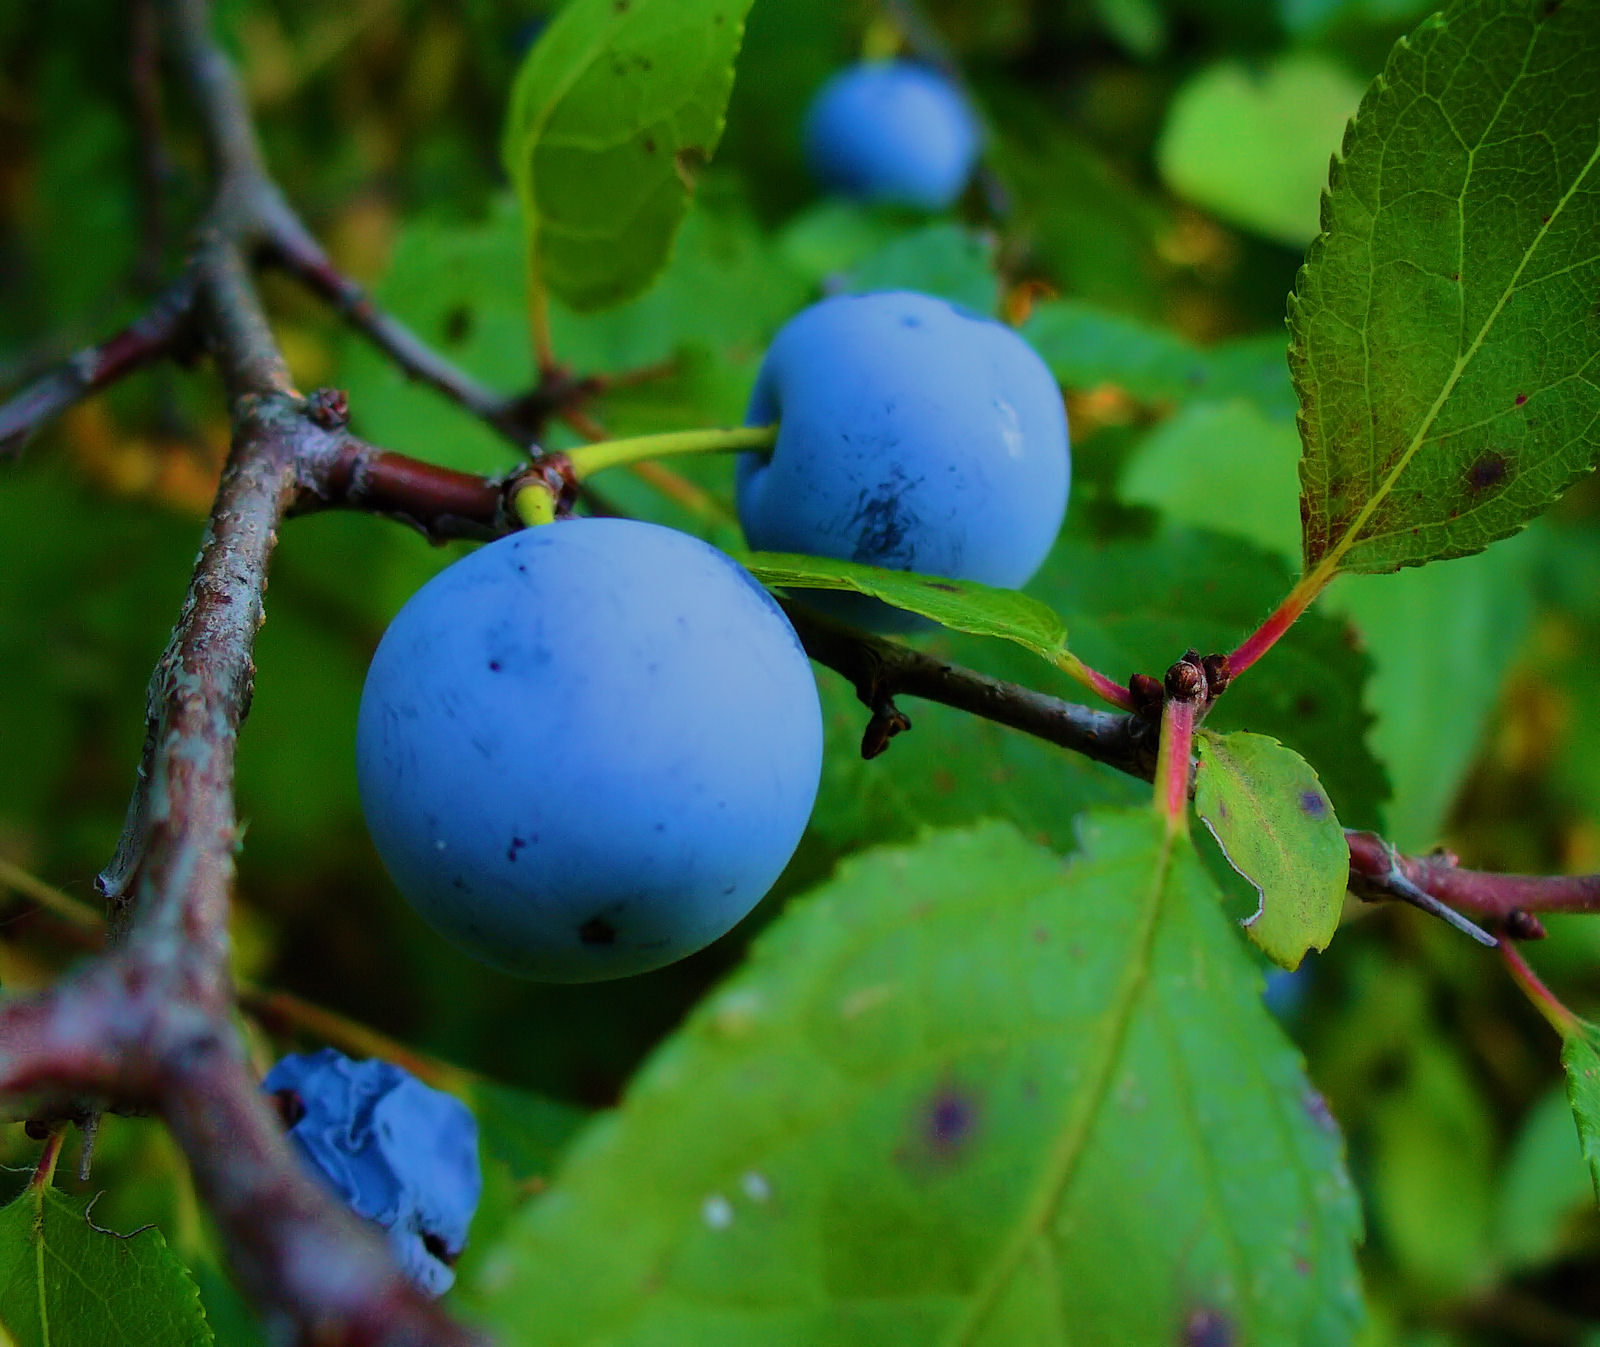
{"x":398,"y":1152}
{"x":588,"y":749}
{"x":894,"y":132}
{"x":912,"y":435}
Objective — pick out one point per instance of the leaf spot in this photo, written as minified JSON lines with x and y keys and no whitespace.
{"x":1521,"y":398}
{"x":1207,"y":1327}
{"x":458,"y":325}
{"x":1488,"y":470}
{"x":1313,"y":804}
{"x":949,"y":1120}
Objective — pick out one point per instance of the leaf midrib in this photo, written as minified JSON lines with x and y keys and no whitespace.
{"x":1063,"y":1162}
{"x":1330,"y":562}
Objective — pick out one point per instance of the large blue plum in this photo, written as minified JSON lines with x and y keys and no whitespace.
{"x":397,"y":1151}
{"x":912,"y":435}
{"x":588,"y":749}
{"x":893,"y":132}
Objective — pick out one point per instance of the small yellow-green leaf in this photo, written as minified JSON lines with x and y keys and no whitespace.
{"x":63,"y":1282}
{"x":961,"y":605}
{"x":1580,"y":1054}
{"x":613,"y":112}
{"x":1275,"y":824}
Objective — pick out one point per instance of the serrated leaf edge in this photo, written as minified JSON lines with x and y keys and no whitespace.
{"x":1327,"y":564}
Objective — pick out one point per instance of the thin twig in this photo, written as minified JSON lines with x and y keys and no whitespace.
{"x":1376,"y":879}
{"x":155,"y":166}
{"x":881,"y":670}
{"x":163,"y":330}
{"x":292,"y":246}
{"x":1496,"y":898}
{"x":148,"y":1024}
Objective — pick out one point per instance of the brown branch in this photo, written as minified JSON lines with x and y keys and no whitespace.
{"x":289,"y":244}
{"x":148,"y":1024}
{"x":440,"y":503}
{"x":1504,"y":901}
{"x":161,"y":331}
{"x":881,"y":670}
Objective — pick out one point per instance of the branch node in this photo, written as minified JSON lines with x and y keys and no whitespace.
{"x":329,"y":408}
{"x":1520,"y":924}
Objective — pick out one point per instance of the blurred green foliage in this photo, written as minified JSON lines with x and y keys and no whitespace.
{"x":1454,"y":704}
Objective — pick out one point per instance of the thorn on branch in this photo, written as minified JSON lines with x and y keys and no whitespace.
{"x":1378,"y":872}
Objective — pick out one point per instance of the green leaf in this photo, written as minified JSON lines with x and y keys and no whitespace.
{"x":1139,"y":27}
{"x":1432,"y":1151}
{"x":962,"y":605}
{"x":1543,"y":1188}
{"x":62,"y":1282}
{"x":1086,"y":346}
{"x":962,"y":1094}
{"x":614,"y":110}
{"x":1446,"y":342}
{"x":1096,"y":234}
{"x":1134,"y":604}
{"x":1580,"y":1055}
{"x":1302,"y":17}
{"x":1254,"y":147}
{"x":1435,"y":700}
{"x":941,"y":259}
{"x":526,"y":1131}
{"x":1225,"y":466}
{"x":461,"y":286}
{"x":1275,"y":824}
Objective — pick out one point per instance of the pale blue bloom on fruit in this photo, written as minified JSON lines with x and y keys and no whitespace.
{"x":588,"y":749}
{"x":912,"y":435}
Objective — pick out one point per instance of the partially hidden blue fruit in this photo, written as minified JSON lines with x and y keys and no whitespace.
{"x":912,"y":435}
{"x":588,"y":749}
{"x":399,"y":1153}
{"x":892,"y":132}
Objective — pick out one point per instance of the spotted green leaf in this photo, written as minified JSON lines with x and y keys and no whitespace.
{"x":1580,"y":1054}
{"x":963,"y":1094}
{"x":961,"y":605}
{"x":1445,"y":330}
{"x":63,"y":1282}
{"x":1275,"y":824}
{"x":614,"y":110}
